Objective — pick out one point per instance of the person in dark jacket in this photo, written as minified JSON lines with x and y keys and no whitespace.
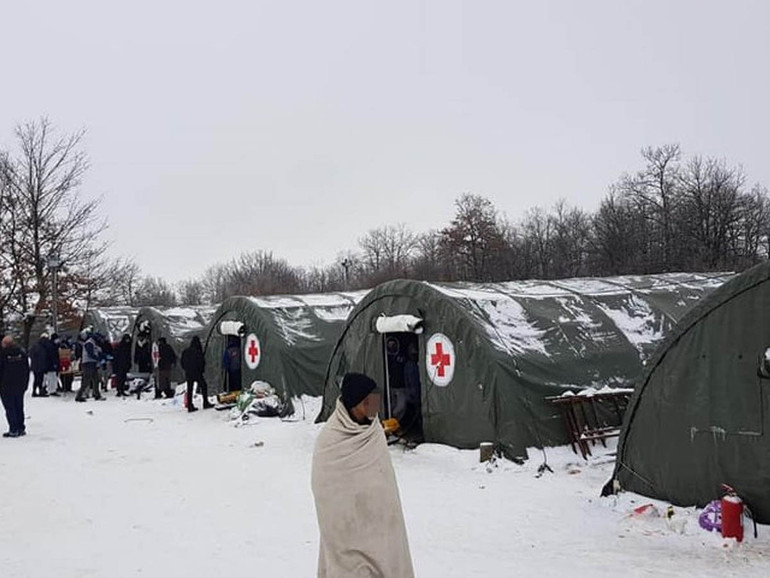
{"x":143,"y":355}
{"x":105,"y":367}
{"x":231,"y":362}
{"x":39,"y":356}
{"x":121,"y":364}
{"x":51,"y":378}
{"x":65,"y":364}
{"x":14,"y":378}
{"x":92,"y":353}
{"x":166,"y":362}
{"x":194,"y":364}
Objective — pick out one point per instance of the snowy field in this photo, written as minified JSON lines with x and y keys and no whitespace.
{"x":142,"y":488}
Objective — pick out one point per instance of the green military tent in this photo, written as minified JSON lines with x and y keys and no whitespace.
{"x":489,"y":354}
{"x":177,"y":324}
{"x":698,"y":417}
{"x":112,"y":322}
{"x":284,"y":340}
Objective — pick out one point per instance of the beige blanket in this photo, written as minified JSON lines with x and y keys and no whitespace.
{"x":356,"y":497}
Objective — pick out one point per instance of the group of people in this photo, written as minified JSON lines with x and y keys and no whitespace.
{"x":350,"y":452}
{"x":53,"y":362}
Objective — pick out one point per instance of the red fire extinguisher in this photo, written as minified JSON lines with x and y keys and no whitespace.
{"x":732,"y":515}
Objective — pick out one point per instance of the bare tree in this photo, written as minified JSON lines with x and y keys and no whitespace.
{"x":191,"y":292}
{"x":475,"y":237}
{"x":43,"y":185}
{"x":155,"y":292}
{"x":654,"y":192}
{"x":539,"y":231}
{"x":373,"y":250}
{"x":571,"y":232}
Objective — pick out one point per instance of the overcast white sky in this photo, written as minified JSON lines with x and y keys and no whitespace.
{"x":219,"y":127}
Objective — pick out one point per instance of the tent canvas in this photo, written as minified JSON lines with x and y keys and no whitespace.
{"x":698,"y":417}
{"x":509,"y":345}
{"x":177,"y":324}
{"x":112,"y":322}
{"x":293,"y":336}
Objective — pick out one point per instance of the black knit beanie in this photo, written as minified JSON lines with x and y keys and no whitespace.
{"x":355,"y":387}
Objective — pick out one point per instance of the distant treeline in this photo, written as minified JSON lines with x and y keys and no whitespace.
{"x":675,"y":214}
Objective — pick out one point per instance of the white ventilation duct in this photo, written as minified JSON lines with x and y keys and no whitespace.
{"x":398,"y":324}
{"x":232,"y":328}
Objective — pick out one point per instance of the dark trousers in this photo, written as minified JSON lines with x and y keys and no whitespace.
{"x":90,"y":381}
{"x":37,"y":383}
{"x":233,"y":381}
{"x":163,"y":385}
{"x":13,"y":402}
{"x":120,"y":382}
{"x":66,"y":381}
{"x":203,"y":389}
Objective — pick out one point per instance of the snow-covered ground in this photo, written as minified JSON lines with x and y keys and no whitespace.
{"x":142,"y":488}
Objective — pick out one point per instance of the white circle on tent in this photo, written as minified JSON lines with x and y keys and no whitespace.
{"x":155,"y":354}
{"x":440,"y":359}
{"x":252,"y":351}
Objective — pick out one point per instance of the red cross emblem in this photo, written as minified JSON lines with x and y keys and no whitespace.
{"x":440,"y":359}
{"x":253,"y":350}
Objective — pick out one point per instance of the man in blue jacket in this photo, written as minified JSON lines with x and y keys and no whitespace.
{"x":14,"y":378}
{"x":92,"y":354}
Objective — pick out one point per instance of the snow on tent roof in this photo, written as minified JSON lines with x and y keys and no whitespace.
{"x":296,"y":334}
{"x":112,"y":322}
{"x":517,"y":343}
{"x":639,"y":309}
{"x":177,"y":324}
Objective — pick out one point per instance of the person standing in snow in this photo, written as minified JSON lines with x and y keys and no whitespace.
{"x":122,"y":364}
{"x":38,"y":354}
{"x":194,"y":364}
{"x":143,"y":355}
{"x":89,"y":363}
{"x":51,"y":378}
{"x":65,"y":364}
{"x":105,"y":361}
{"x":361,"y":523}
{"x":14,"y":378}
{"x":166,"y":362}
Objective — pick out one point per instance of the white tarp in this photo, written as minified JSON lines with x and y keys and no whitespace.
{"x":231,"y":328}
{"x":398,"y":324}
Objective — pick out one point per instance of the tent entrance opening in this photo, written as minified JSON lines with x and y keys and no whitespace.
{"x":231,"y":362}
{"x":402,"y":395}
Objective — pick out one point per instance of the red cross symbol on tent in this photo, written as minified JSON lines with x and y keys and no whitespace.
{"x":440,"y":359}
{"x":253,"y":350}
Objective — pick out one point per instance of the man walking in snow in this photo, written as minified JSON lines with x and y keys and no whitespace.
{"x":362,"y":530}
{"x":14,"y":378}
